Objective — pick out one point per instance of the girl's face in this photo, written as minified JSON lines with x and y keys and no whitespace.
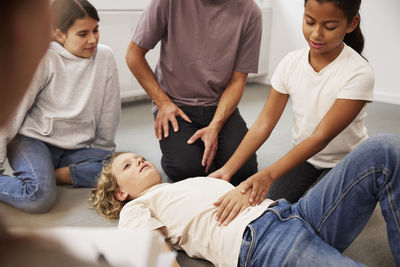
{"x":82,"y":37}
{"x":134,"y":175}
{"x":324,"y":27}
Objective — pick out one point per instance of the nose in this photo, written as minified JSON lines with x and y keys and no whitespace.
{"x":139,"y":161}
{"x":316,"y":33}
{"x":93,"y":38}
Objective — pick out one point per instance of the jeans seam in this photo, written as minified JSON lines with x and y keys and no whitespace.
{"x":14,"y":197}
{"x":251,"y":247}
{"x":393,"y":206}
{"x":72,"y":173}
{"x":348,"y":189}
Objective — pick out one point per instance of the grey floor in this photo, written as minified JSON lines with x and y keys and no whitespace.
{"x":135,"y":133}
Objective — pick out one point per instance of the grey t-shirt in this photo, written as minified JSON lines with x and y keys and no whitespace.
{"x":202,"y":42}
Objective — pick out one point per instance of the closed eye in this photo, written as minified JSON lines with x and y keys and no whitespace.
{"x":126,"y":166}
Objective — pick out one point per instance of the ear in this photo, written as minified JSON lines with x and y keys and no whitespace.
{"x":121,"y":195}
{"x":60,"y":36}
{"x":353,"y":23}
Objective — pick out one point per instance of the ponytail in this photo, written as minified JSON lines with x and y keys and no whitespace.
{"x":355,"y":40}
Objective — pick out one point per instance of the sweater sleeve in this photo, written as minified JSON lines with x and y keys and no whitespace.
{"x":110,"y":113}
{"x":9,"y":131}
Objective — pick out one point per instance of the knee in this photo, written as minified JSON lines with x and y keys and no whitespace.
{"x":40,"y":200}
{"x":383,"y":145}
{"x":180,"y":170}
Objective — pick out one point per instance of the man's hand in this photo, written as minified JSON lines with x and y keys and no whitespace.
{"x":210,"y":138}
{"x":259,"y":184}
{"x":167,"y":113}
{"x":231,"y":204}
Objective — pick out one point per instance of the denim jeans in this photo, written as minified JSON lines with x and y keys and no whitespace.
{"x":33,"y":189}
{"x":322,"y":224}
{"x":181,"y":160}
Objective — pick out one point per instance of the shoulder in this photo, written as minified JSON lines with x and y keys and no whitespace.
{"x":161,"y":4}
{"x":251,"y":8}
{"x":355,"y":62}
{"x":105,"y":55}
{"x":53,"y":52}
{"x":104,"y":50}
{"x":292,"y":59}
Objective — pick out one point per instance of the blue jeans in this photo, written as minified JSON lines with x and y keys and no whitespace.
{"x":322,"y":224}
{"x":33,"y":189}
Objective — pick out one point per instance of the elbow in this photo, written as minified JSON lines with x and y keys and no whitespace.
{"x":134,"y":55}
{"x":131,"y":60}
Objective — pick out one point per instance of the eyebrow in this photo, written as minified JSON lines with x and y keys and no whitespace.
{"x":85,"y":31}
{"x":328,"y":21}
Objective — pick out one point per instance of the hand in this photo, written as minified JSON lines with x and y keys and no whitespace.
{"x":220,"y":174}
{"x":167,"y":113}
{"x":210,"y":138}
{"x":259,"y":184}
{"x":231,"y":204}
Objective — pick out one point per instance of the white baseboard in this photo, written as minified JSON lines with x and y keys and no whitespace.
{"x":380,"y":96}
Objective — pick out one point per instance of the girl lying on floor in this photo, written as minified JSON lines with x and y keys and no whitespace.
{"x":311,"y":232}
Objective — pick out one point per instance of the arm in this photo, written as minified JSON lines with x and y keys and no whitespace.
{"x":106,"y":126}
{"x":256,"y":136}
{"x":11,"y":129}
{"x":339,"y":116}
{"x":226,"y":105}
{"x":167,"y":111}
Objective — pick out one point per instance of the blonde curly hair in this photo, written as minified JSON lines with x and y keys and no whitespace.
{"x":103,"y":197}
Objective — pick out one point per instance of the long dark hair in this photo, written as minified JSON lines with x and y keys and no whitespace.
{"x":67,"y":11}
{"x":350,"y":8}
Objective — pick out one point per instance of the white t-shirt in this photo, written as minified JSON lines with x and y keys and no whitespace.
{"x":186,"y":210}
{"x":313,"y":93}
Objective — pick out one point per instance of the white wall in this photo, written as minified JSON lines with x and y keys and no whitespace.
{"x":380,"y":22}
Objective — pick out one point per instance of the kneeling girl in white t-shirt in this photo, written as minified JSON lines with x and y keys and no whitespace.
{"x":329,"y":84}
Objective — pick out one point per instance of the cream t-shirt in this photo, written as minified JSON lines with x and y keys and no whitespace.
{"x":186,"y":210}
{"x":313,"y":93}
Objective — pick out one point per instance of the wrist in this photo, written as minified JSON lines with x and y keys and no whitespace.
{"x":268,"y":173}
{"x":162,"y":100}
{"x":215,"y":126}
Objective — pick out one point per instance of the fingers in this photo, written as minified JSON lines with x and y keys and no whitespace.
{"x":165,"y":127}
{"x":257,"y":195}
{"x":227,"y":209}
{"x":223,"y":204}
{"x":219,"y":201}
{"x":245,"y":186}
{"x":232,"y":215}
{"x":253,"y":195}
{"x":263,"y":195}
{"x":194,"y":138}
{"x":211,"y":156}
{"x":158,"y":128}
{"x":184,"y":116}
{"x":208,"y":156}
{"x":174,"y":124}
